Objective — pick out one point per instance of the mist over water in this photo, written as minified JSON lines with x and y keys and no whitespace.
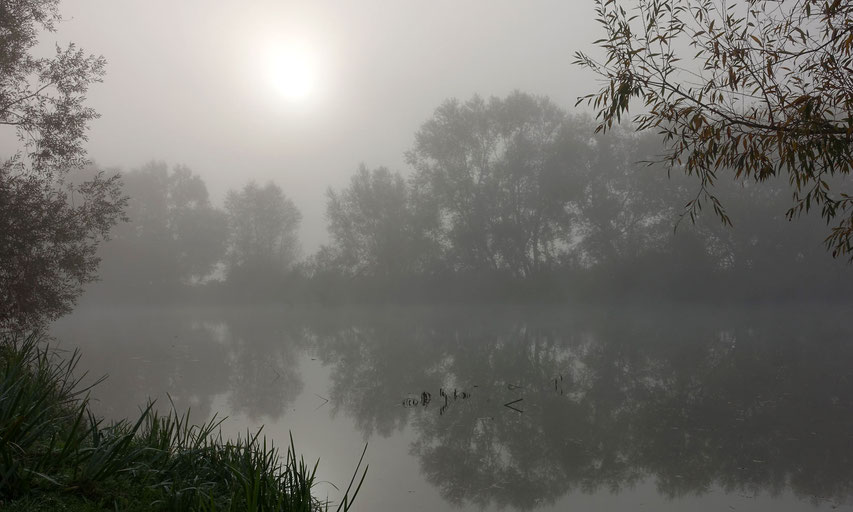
{"x":531,"y":408}
{"x":401,"y":226}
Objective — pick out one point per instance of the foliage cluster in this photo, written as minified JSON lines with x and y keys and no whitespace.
{"x":263,"y":240}
{"x":175,"y":237}
{"x":508,"y":198}
{"x":517,"y":198}
{"x":50,"y":226}
{"x":754,"y":88}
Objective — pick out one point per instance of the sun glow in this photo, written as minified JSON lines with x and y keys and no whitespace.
{"x":292,"y":71}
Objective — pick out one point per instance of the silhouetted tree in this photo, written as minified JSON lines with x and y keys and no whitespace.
{"x":626,"y":208}
{"x":50,"y":227}
{"x":175,"y":236}
{"x":374,"y":226}
{"x":263,"y":239}
{"x":498,"y":180}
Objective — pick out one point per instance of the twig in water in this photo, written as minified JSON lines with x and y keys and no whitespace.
{"x":508,"y":405}
{"x":326,"y":400}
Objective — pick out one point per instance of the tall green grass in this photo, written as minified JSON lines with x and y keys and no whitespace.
{"x":56,"y":455}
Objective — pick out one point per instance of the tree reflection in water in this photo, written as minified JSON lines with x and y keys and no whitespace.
{"x":192,"y":355}
{"x":264,"y":373}
{"x":750,"y":403}
{"x":144,"y":350}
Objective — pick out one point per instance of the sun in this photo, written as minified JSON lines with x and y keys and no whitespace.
{"x":292,"y":70}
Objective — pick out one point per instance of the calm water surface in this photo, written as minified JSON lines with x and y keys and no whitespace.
{"x":472,"y":408}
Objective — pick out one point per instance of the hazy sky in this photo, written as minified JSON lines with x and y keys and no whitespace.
{"x":203,"y":83}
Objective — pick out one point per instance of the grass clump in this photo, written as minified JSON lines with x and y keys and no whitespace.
{"x":56,"y":455}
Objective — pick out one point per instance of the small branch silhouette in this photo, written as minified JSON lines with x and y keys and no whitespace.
{"x":508,"y":405}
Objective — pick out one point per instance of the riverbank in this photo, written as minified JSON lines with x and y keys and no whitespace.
{"x":56,"y":455}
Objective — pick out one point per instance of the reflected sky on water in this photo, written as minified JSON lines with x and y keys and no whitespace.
{"x":495,"y":407}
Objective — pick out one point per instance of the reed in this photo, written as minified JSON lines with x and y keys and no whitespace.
{"x":56,"y":455}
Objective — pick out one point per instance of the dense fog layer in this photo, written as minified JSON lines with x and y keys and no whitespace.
{"x":199,"y":84}
{"x":527,"y":267}
{"x":507,"y":199}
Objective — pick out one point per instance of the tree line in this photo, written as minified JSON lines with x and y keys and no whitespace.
{"x":507,"y":198}
{"x":504,"y":197}
{"x":176,"y":237}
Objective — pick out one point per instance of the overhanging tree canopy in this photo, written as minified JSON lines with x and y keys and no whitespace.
{"x":761,"y":88}
{"x":50,"y":226}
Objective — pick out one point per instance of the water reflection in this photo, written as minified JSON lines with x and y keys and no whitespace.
{"x":145,"y":350}
{"x":749,"y":402}
{"x":250,"y":357}
{"x":742,"y":402}
{"x":264,"y":374}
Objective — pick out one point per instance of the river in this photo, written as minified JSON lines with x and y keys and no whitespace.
{"x":509,"y":408}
